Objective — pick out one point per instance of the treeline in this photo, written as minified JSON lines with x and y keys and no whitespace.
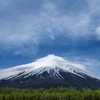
{"x":60,"y":93}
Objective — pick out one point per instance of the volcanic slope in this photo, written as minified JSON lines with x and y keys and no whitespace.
{"x":50,"y":71}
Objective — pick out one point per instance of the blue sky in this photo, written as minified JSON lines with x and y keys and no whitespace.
{"x":31,"y":29}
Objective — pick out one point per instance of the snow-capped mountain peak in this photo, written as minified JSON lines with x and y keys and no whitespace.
{"x":46,"y":72}
{"x":47,"y":63}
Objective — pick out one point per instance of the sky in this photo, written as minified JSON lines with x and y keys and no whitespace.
{"x":32,"y":29}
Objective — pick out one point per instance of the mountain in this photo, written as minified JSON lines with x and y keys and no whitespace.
{"x":50,"y":71}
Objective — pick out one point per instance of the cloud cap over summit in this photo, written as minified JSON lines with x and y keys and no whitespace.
{"x":48,"y":61}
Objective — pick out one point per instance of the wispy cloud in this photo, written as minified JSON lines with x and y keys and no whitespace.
{"x":33,"y":28}
{"x":91,"y":63}
{"x":98,"y":32}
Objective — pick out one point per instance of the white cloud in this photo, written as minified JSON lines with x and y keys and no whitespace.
{"x":98,"y":32}
{"x":34,"y":28}
{"x":52,"y":37}
{"x":91,"y":63}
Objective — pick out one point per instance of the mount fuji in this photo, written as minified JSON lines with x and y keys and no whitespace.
{"x":50,"y":71}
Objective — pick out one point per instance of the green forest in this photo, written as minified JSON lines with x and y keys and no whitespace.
{"x":60,"y":93}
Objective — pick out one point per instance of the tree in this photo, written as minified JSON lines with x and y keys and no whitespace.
{"x":92,"y":88}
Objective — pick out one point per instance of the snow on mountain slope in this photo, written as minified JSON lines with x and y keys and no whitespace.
{"x":51,"y":64}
